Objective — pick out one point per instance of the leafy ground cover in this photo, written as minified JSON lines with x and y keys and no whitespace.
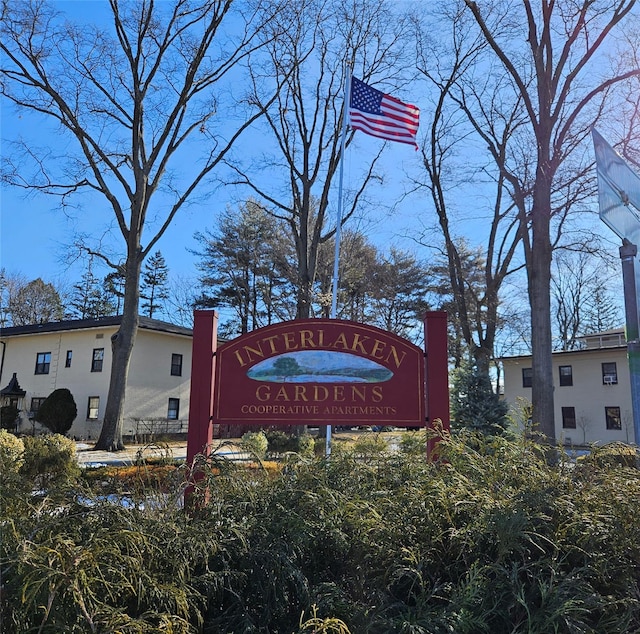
{"x":489,"y":539}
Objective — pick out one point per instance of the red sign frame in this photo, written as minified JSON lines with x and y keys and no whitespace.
{"x":225,"y":380}
{"x":319,"y":372}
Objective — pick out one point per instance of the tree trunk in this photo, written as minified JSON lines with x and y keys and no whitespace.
{"x":122,"y":343}
{"x":539,"y":273}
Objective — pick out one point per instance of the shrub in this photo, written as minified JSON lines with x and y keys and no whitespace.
{"x":370,"y":445}
{"x":256,"y":443}
{"x":281,"y":442}
{"x":490,"y":539}
{"x":613,"y":454}
{"x":58,"y":411}
{"x":413,"y":443}
{"x":11,"y":452}
{"x":49,"y":459}
{"x":9,"y":417}
{"x":306,"y":445}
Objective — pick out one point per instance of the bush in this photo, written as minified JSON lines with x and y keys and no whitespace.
{"x":413,"y":443}
{"x":58,"y":411}
{"x":278,"y":441}
{"x":49,"y":459}
{"x":281,"y":442}
{"x":256,"y":443}
{"x":489,"y":539}
{"x":613,"y":454}
{"x":9,"y":417}
{"x":306,"y":445}
{"x":11,"y":452}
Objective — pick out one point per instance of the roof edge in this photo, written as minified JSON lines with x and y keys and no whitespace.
{"x":146,"y":323}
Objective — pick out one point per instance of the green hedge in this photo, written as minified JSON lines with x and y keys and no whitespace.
{"x":490,"y":539}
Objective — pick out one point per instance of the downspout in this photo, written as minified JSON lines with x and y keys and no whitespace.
{"x":4,"y":347}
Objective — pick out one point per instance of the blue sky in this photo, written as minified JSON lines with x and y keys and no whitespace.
{"x":35,"y":233}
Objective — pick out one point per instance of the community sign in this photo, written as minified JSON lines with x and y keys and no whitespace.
{"x":319,"y":371}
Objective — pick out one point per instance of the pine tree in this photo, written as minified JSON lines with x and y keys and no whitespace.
{"x":244,"y":267}
{"x":154,"y":285}
{"x":89,"y":299}
{"x":474,"y":404}
{"x":113,"y":285}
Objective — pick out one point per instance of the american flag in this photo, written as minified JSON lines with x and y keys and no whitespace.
{"x":382,"y":115}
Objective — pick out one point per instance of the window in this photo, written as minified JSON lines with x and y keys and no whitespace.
{"x":36,"y":403}
{"x":43,"y":361}
{"x":174,"y":409}
{"x":176,"y":365}
{"x":612,"y":414}
{"x":566,"y":375}
{"x":609,"y":374}
{"x":97,"y":359}
{"x":527,"y":377}
{"x":67,"y":363}
{"x":93,"y":406}
{"x":568,"y":417}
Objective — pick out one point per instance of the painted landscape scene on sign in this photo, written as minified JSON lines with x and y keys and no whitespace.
{"x":319,"y":366}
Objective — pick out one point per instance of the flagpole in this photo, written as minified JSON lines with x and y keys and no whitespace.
{"x":336,"y":257}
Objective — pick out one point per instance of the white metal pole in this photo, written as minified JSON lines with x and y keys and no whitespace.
{"x":336,"y":257}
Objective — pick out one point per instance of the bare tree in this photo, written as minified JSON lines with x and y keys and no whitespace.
{"x":27,"y":303}
{"x":181,"y":300}
{"x":10,"y":284}
{"x":297,"y":178}
{"x":584,"y":423}
{"x":137,"y":102}
{"x":581,"y":299}
{"x":555,"y":77}
{"x":467,"y":105}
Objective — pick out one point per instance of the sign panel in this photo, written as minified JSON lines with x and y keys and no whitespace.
{"x":319,"y":371}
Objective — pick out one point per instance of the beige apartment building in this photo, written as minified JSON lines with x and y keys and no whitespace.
{"x":592,"y":392}
{"x":37,"y":359}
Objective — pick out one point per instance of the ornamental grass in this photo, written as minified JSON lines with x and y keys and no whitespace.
{"x":491,"y":538}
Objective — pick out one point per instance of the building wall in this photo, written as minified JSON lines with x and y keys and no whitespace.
{"x":588,"y":395}
{"x":150,"y":383}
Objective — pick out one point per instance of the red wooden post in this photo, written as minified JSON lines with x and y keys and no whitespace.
{"x":437,"y":372}
{"x":203,"y":363}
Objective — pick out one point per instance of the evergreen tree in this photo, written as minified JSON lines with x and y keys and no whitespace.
{"x":113,"y":285}
{"x":357,"y":285}
{"x":244,"y":265}
{"x":58,"y":411}
{"x":154,"y":289}
{"x":89,"y":299}
{"x":399,"y":299}
{"x":474,"y":404}
{"x":467,"y":333}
